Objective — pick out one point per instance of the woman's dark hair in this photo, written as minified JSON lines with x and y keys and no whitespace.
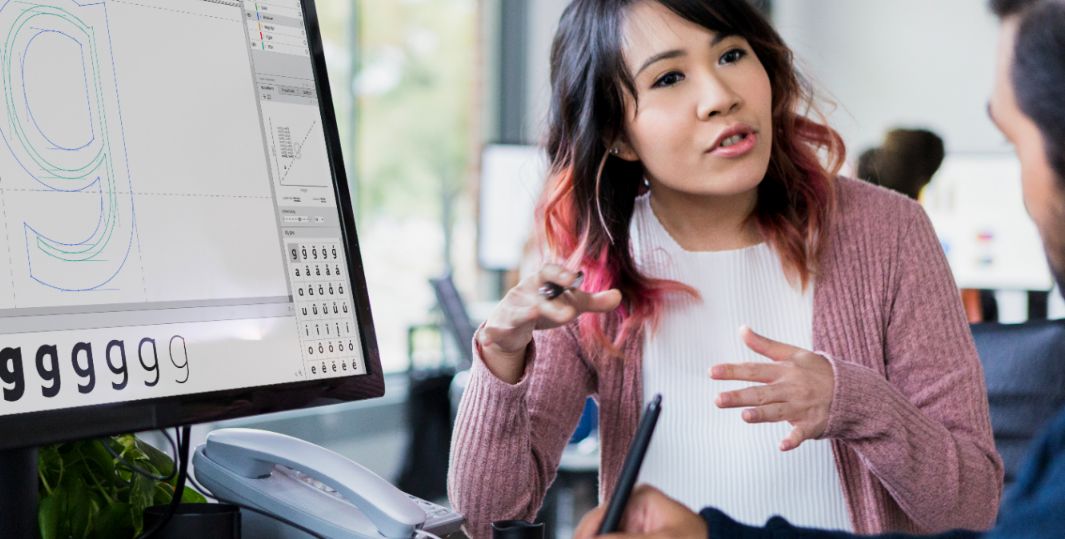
{"x":1038,"y":70}
{"x":588,"y":201}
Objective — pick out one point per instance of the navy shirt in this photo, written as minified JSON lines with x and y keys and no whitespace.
{"x":1034,"y":505}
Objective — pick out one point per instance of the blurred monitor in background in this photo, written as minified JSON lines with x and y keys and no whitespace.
{"x":512,"y":176}
{"x":975,"y":204}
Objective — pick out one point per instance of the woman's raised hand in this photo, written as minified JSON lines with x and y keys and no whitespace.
{"x":798,"y":388}
{"x":532,"y":305}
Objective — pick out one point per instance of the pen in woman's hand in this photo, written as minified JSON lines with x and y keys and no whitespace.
{"x":630,"y":469}
{"x":553,"y":290}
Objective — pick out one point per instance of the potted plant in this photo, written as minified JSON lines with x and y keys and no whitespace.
{"x":86,"y":492}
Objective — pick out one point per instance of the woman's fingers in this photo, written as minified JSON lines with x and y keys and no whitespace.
{"x":550,"y":273}
{"x":557,"y":312}
{"x":528,"y":307}
{"x":797,"y":436}
{"x":799,"y":388}
{"x":599,"y":302}
{"x":775,"y":350}
{"x":590,"y":523}
{"x":770,"y":413}
{"x":522,"y":309}
{"x":573,"y":303}
{"x":748,"y":372}
{"x":752,"y":396}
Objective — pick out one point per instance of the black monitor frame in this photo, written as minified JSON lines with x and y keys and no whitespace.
{"x":32,"y":429}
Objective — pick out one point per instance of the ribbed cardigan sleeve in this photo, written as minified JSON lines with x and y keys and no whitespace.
{"x":508,"y":438}
{"x":922,"y":427}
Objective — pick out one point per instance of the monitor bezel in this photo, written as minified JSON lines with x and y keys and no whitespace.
{"x":51,"y":426}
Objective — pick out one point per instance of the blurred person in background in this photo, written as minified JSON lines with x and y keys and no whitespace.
{"x":905,"y":161}
{"x":1026,"y":106}
{"x":686,"y":184}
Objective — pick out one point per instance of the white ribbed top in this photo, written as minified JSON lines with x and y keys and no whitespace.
{"x":703,"y":455}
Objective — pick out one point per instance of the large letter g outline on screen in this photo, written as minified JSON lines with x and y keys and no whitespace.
{"x":60,"y":119}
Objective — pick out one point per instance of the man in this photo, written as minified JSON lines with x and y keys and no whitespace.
{"x":1028,"y":108}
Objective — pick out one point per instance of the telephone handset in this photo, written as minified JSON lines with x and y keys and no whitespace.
{"x":312,"y":486}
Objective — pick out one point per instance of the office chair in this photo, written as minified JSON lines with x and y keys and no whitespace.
{"x":433,"y":400}
{"x":1024,"y":368}
{"x":457,"y":320}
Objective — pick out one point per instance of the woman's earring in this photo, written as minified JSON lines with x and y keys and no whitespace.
{"x":614,"y":150}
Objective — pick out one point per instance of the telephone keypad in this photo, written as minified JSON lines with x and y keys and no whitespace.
{"x":439,"y":520}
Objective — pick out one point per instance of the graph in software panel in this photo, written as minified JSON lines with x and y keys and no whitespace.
{"x":297,"y":147}
{"x":287,"y":93}
{"x":67,"y":190}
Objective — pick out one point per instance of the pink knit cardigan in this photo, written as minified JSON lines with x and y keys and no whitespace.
{"x":908,"y":422}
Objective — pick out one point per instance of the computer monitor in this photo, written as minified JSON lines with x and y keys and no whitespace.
{"x":177,"y":243}
{"x":977,"y":208}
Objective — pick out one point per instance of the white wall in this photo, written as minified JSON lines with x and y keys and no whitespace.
{"x":899,"y":62}
{"x":885,"y":62}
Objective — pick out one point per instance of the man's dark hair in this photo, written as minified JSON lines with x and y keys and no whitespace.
{"x":1038,"y":70}
{"x":1005,"y":8}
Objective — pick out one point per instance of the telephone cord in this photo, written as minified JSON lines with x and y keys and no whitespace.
{"x":182,"y":464}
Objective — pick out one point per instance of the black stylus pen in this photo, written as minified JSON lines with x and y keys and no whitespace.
{"x":631,"y":468}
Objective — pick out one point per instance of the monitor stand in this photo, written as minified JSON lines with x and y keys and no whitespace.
{"x":18,"y":493}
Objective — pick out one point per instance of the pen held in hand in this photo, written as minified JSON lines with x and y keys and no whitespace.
{"x":553,"y":290}
{"x":630,"y":469}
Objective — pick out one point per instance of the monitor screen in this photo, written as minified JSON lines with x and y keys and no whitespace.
{"x":176,"y":238}
{"x":977,"y":208}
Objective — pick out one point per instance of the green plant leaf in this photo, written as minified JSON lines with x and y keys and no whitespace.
{"x":141,"y":496}
{"x":80,"y":508}
{"x":97,"y":456}
{"x":49,"y":513}
{"x":74,"y":465}
{"x":114,"y":521}
{"x":49,"y":467}
{"x":191,"y":496}
{"x":163,"y":493}
{"x":87,"y":493}
{"x":159,"y":460}
{"x":125,"y":442}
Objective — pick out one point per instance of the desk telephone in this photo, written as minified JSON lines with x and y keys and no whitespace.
{"x":313,"y":487}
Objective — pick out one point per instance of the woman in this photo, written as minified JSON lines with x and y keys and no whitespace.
{"x":687,"y":187}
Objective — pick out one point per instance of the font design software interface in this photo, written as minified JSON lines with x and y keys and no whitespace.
{"x":168,"y":220}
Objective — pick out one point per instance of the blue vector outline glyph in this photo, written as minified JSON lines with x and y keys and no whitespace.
{"x":90,"y":161}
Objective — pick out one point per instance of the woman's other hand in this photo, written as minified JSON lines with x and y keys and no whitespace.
{"x":798,"y":388}
{"x":525,"y":308}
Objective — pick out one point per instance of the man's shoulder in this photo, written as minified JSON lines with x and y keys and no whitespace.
{"x":1055,"y":432}
{"x":1046,"y":456}
{"x":1033,"y":504}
